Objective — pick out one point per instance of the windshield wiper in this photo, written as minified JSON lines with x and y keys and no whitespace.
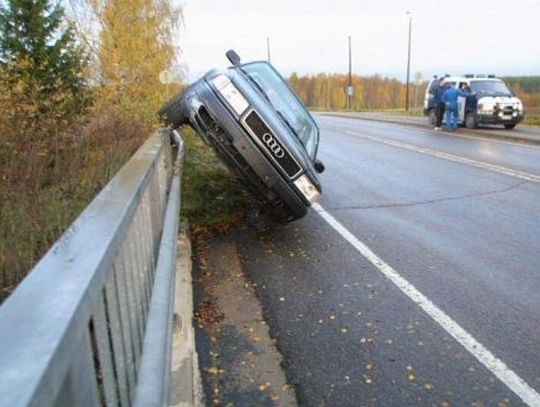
{"x":256,"y":84}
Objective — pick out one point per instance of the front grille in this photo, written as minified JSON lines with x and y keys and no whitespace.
{"x":271,"y":144}
{"x":508,"y":110}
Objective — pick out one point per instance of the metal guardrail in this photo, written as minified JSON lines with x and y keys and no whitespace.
{"x":92,"y":322}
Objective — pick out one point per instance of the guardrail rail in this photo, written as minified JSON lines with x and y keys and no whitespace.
{"x":92,"y":323}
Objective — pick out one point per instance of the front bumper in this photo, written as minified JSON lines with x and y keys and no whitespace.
{"x":495,"y":118}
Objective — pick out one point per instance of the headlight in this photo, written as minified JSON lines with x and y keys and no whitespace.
{"x":231,"y":93}
{"x":307,"y":188}
{"x":486,"y":107}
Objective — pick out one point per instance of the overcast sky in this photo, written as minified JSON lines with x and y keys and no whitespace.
{"x":310,"y":36}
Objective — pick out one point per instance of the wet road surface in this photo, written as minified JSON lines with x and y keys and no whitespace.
{"x":457,"y":220}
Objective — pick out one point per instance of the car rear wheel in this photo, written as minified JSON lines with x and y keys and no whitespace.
{"x":509,"y":126}
{"x":431,"y":117}
{"x":173,"y":112}
{"x":470,"y":121}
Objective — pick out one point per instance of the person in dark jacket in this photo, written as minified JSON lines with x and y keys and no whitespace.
{"x":439,"y":103}
{"x":450,"y":99}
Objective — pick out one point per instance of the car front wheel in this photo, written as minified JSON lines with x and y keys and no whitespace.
{"x":173,"y":112}
{"x":431,"y":117}
{"x":470,"y":121}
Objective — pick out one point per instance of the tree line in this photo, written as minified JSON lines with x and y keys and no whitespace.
{"x":79,"y":89}
{"x":329,"y":91}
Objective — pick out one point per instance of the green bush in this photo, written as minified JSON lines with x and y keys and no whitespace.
{"x":211,"y":197}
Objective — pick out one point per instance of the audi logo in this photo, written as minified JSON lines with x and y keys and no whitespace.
{"x":273,"y":145}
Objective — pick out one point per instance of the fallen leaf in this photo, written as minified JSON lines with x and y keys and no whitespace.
{"x":215,"y":370}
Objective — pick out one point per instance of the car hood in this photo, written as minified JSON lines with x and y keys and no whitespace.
{"x":501,"y":100}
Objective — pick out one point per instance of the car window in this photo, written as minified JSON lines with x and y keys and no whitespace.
{"x":493,"y":87}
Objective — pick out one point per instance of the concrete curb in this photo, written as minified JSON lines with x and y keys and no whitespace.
{"x":393,"y":120}
{"x":186,"y":385}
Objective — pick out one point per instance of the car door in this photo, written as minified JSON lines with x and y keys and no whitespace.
{"x":461,"y":104}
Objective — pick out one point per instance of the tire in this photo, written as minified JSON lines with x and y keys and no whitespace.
{"x":470,"y":121}
{"x":173,"y":113}
{"x":509,"y":126}
{"x":431,"y":117}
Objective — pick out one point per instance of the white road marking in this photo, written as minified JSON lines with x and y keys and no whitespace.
{"x":479,"y":351}
{"x":451,"y":157}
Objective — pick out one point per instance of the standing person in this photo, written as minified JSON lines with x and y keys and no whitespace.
{"x":450,"y":99}
{"x":439,"y":103}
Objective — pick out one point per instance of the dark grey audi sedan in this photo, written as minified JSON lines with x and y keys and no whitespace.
{"x":261,"y":131}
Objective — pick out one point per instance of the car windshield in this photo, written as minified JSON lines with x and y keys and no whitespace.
{"x":490,"y":87}
{"x":286,"y":103}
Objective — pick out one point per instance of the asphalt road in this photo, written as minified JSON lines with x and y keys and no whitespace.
{"x":523,"y":133}
{"x":455,"y":222}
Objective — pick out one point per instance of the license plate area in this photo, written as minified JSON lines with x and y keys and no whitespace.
{"x":268,"y":141}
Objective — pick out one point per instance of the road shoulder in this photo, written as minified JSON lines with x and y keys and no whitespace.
{"x":239,"y":361}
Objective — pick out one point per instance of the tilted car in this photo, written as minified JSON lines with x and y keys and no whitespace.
{"x":491,"y":101}
{"x":260,"y":129}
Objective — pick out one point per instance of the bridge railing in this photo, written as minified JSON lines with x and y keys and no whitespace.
{"x":92,"y":322}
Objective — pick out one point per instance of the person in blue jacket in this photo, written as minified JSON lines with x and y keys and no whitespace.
{"x":450,"y":99}
{"x":438,"y":92}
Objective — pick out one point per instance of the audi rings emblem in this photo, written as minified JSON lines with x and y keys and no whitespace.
{"x":273,"y":145}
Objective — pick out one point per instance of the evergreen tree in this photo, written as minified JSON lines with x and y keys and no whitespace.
{"x":38,"y":49}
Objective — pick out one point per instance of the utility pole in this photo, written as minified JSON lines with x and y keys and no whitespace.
{"x":350,"y":88}
{"x":408,"y":64}
{"x":268,"y":48}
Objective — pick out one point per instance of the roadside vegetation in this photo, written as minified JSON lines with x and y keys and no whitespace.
{"x":76,"y":104}
{"x":527,"y":88}
{"x":79,"y":92}
{"x":212,"y":200}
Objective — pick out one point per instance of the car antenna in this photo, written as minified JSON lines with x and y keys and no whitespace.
{"x":233,"y":57}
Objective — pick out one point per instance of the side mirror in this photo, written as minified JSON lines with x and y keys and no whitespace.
{"x":319,"y":166}
{"x":233,"y":57}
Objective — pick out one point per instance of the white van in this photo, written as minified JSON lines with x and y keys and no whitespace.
{"x":491,"y":101}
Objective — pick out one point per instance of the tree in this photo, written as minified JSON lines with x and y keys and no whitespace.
{"x":132,"y":41}
{"x":38,"y":49}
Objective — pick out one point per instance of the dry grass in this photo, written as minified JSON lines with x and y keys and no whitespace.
{"x":47,"y":181}
{"x":211,"y":198}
